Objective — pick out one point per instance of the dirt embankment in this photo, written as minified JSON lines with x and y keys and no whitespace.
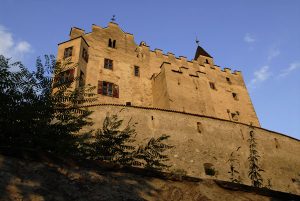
{"x":44,"y":178}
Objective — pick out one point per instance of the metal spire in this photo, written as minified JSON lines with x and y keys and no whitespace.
{"x":197,"y":41}
{"x":113,"y":19}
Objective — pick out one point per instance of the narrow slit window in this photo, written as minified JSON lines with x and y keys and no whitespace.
{"x":228,"y":80}
{"x":85,"y":55}
{"x":136,"y":71}
{"x":110,"y":43}
{"x":81,"y":79}
{"x":212,"y":85}
{"x":235,"y":96}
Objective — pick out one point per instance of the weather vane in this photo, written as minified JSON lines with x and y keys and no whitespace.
{"x":113,"y":18}
{"x":197,"y":41}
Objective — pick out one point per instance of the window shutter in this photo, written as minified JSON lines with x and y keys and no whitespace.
{"x":115,"y":91}
{"x":100,"y":84}
{"x":71,"y":75}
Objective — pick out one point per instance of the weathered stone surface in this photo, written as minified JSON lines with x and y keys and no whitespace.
{"x":217,"y":140}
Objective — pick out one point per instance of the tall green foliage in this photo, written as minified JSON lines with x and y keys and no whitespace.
{"x":254,"y":169}
{"x":233,"y":168}
{"x":35,"y":113}
{"x":113,"y":143}
{"x":152,"y":153}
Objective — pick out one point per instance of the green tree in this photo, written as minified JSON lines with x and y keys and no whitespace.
{"x":152,"y":153}
{"x":114,"y":144}
{"x":40,"y":113}
{"x":254,"y":168}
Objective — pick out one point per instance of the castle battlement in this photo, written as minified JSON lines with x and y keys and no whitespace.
{"x":126,"y":72}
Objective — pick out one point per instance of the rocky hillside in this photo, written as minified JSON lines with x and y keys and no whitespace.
{"x":41,"y":177}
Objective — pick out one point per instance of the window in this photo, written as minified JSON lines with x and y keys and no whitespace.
{"x":136,"y":71}
{"x":235,"y":96}
{"x":206,"y":61}
{"x":228,"y":80}
{"x":108,"y":63}
{"x":81,"y":79}
{"x":234,"y":117}
{"x":85,"y":55}
{"x":112,"y":43}
{"x":108,"y":89}
{"x":209,"y":169}
{"x":212,"y":85}
{"x":64,"y":77}
{"x":199,"y":127}
{"x":68,"y":52}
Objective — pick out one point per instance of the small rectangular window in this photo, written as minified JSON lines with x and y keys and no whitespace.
{"x":85,"y":55}
{"x":136,"y":71}
{"x":68,"y":52}
{"x":64,"y":77}
{"x":235,"y":96}
{"x":108,"y":64}
{"x":108,"y":89}
{"x":212,"y":85}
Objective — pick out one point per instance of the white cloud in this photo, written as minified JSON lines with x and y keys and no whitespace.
{"x":9,"y":47}
{"x":248,"y":38}
{"x":293,"y":66}
{"x":260,"y":75}
{"x":273,"y":52}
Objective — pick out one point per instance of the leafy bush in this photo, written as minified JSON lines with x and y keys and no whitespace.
{"x":37,"y":115}
{"x":152,"y":153}
{"x":114,"y":144}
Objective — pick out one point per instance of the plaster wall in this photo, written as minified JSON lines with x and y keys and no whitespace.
{"x":199,"y":140}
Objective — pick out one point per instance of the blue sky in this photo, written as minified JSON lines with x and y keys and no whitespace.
{"x":260,"y":38}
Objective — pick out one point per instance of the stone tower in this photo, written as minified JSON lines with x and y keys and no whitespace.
{"x":127,"y":73}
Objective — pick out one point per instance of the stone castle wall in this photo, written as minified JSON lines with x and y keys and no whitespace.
{"x":200,"y":140}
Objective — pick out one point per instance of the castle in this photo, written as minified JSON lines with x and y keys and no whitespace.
{"x":207,"y":111}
